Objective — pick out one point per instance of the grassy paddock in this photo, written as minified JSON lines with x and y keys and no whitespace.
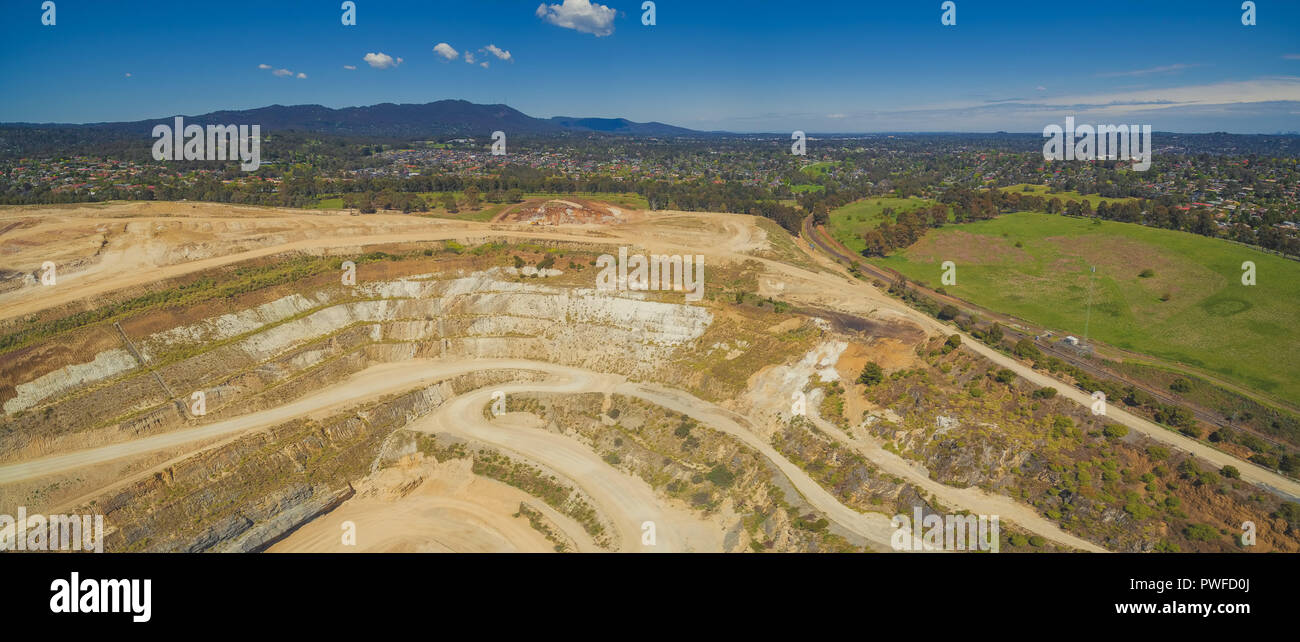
{"x":1065,"y":196}
{"x":848,"y":223}
{"x":1171,"y":294}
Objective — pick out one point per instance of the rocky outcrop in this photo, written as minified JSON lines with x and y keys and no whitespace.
{"x":244,"y":360}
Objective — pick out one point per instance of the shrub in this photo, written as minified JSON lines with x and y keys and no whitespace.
{"x":1045,"y":393}
{"x":952,"y":343}
{"x":1180,"y":385}
{"x":1025,"y":349}
{"x":1200,"y":533}
{"x":1147,"y":273}
{"x":1166,"y":546}
{"x":1138,"y":397}
{"x":721,"y":476}
{"x":1230,"y":472}
{"x":993,"y":335}
{"x":871,"y":374}
{"x":1114,"y":431}
{"x":1289,"y":511}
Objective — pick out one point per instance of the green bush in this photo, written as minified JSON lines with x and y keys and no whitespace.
{"x":1201,"y":533}
{"x":720,"y":476}
{"x":871,"y":374}
{"x":952,"y":343}
{"x":1025,"y":349}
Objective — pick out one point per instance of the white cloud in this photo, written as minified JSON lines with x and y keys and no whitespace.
{"x":264,"y":66}
{"x":499,"y":52}
{"x":1040,"y":88}
{"x":579,"y":15}
{"x":469,"y":57}
{"x":301,"y":75}
{"x":350,"y":67}
{"x":483,"y":64}
{"x":282,"y":72}
{"x":128,"y":74}
{"x":1291,"y":57}
{"x":1144,"y":72}
{"x":446,"y":51}
{"x":381,"y":60}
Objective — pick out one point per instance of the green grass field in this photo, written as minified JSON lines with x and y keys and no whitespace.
{"x":487,"y":210}
{"x":1041,"y":190}
{"x":1036,"y":266}
{"x":848,"y":223}
{"x":327,"y":204}
{"x":819,"y":169}
{"x":805,"y":187}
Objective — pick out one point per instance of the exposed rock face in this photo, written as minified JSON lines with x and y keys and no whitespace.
{"x":106,"y":364}
{"x":244,"y":495}
{"x":772,"y":392}
{"x":233,"y":357}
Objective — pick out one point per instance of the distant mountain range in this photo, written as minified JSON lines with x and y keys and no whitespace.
{"x":441,"y":118}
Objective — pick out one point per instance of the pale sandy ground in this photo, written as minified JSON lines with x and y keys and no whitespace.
{"x":627,"y":501}
{"x":451,"y":510}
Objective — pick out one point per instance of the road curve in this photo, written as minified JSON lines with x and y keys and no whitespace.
{"x":1250,"y":472}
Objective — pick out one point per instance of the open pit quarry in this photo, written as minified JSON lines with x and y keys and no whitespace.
{"x":207,"y":378}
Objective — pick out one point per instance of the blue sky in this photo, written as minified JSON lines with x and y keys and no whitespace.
{"x":850,"y":66}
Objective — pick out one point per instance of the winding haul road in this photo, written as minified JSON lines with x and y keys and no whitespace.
{"x":627,"y":501}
